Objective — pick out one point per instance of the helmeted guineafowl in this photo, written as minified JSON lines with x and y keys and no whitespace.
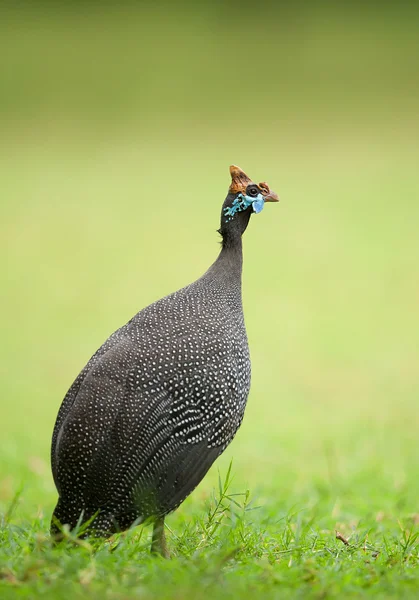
{"x":162,"y":398}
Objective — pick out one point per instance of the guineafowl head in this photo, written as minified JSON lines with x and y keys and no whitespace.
{"x":244,"y":198}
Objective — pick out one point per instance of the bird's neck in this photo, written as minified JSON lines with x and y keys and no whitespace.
{"x":227,"y":269}
{"x":231,"y":256}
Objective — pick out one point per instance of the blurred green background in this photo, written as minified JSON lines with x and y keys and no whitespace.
{"x":118,"y":123}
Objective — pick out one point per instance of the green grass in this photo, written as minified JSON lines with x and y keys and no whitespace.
{"x":231,"y":549}
{"x":117,"y":133}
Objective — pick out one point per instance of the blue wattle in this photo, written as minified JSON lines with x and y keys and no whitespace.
{"x":258,"y":204}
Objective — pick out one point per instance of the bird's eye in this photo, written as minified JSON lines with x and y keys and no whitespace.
{"x":253,"y":191}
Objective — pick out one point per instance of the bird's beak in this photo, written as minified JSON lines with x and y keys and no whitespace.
{"x":271,"y":197}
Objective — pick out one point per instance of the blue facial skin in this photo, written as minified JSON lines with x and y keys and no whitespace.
{"x":242,"y":202}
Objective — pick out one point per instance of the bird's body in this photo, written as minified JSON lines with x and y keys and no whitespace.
{"x":157,"y":403}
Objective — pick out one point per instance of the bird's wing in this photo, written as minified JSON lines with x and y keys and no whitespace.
{"x":117,"y":440}
{"x":161,"y":452}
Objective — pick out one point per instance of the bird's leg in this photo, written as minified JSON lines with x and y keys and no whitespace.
{"x":158,"y":544}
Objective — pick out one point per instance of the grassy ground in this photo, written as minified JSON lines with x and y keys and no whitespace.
{"x":107,"y":206}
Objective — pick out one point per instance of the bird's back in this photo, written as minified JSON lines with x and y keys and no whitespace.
{"x":153,"y":408}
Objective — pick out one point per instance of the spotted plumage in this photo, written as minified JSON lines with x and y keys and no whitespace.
{"x":162,"y":398}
